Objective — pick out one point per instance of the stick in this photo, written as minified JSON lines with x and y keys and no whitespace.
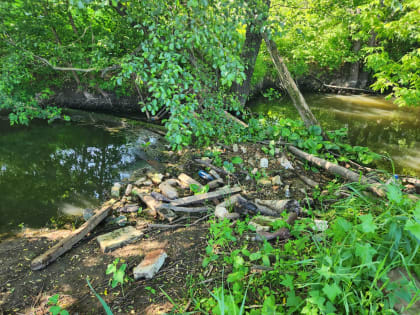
{"x":187,"y":210}
{"x":67,"y":243}
{"x":339,"y":170}
{"x":205,"y":197}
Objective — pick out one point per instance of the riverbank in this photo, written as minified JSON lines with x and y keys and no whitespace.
{"x":201,"y":255}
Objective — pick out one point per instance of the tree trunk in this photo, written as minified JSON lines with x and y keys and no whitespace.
{"x":290,"y":85}
{"x":111,"y":103}
{"x":250,"y":50}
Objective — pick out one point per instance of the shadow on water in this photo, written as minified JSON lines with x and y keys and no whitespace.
{"x":48,"y":167}
{"x":372,"y":121}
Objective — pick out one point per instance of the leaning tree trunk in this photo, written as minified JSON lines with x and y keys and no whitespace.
{"x":250,"y":50}
{"x":289,"y":84}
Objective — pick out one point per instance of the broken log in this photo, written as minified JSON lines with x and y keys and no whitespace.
{"x":281,"y":234}
{"x":185,"y":209}
{"x":156,"y":207}
{"x":186,"y":181}
{"x":339,"y":170}
{"x":205,"y":197}
{"x":308,"y":181}
{"x":68,"y":242}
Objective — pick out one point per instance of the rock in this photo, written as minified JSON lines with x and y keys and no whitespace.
{"x":118,"y":238}
{"x":150,"y":264}
{"x":277,"y":151}
{"x":166,"y":214}
{"x":222,"y":213}
{"x":147,"y":183}
{"x":115,"y":190}
{"x":262,"y":223}
{"x":264,"y":182}
{"x":168,"y":190}
{"x":130,"y":208}
{"x":264,"y":163}
{"x":235,"y":148}
{"x":276,"y":180}
{"x":159,"y":196}
{"x":243,"y":149}
{"x":185,"y":181}
{"x":121,"y":220}
{"x":128,"y":190}
{"x":87,"y":213}
{"x":320,"y":225}
{"x":280,"y":205}
{"x":140,"y":181}
{"x":155,"y":177}
{"x":285,"y":163}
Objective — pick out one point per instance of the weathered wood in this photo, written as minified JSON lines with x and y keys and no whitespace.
{"x":339,"y":170}
{"x":205,"y":197}
{"x":67,"y":243}
{"x":186,"y":181}
{"x":215,"y":183}
{"x":289,"y":84}
{"x":347,"y":88}
{"x":281,"y":234}
{"x":185,"y":209}
{"x":308,"y":181}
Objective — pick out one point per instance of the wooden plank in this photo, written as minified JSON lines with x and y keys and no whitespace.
{"x":205,"y":197}
{"x":67,"y":243}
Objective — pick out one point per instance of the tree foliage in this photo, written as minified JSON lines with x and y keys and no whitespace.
{"x":319,"y":36}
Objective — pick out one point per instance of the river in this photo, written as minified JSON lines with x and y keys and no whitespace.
{"x":372,"y":121}
{"x":48,"y":169}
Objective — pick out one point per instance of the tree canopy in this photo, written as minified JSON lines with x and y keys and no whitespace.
{"x":184,"y":58}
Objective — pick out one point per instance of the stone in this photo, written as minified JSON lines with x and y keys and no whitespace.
{"x":222,"y":213}
{"x":130,"y":208}
{"x":168,"y":190}
{"x":186,"y":181}
{"x":264,"y":182}
{"x":115,"y":190}
{"x":277,"y":151}
{"x":262,"y":223}
{"x":118,"y":238}
{"x":150,"y":264}
{"x":320,"y":225}
{"x":147,"y":183}
{"x":264,"y":163}
{"x":214,"y":174}
{"x":156,"y":178}
{"x":235,"y":148}
{"x":87,"y":213}
{"x":243,"y":149}
{"x":140,"y":181}
{"x":128,"y":190}
{"x":276,"y":180}
{"x":285,"y":163}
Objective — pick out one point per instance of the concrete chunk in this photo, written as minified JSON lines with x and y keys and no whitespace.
{"x":118,"y":238}
{"x":150,"y":264}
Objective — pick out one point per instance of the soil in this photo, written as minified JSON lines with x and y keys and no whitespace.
{"x":23,"y":291}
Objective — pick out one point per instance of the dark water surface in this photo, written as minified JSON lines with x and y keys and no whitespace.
{"x":372,"y":121}
{"x":48,"y":168}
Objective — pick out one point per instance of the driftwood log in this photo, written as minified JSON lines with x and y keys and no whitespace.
{"x":205,"y":197}
{"x":67,"y":243}
{"x":339,"y":170}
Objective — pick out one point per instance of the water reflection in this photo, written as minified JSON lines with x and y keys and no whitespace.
{"x":372,"y":121}
{"x":45,"y":167}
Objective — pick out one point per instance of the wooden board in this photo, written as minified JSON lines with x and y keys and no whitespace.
{"x":205,"y":197}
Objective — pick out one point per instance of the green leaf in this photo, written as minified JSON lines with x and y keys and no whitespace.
{"x":53,"y":299}
{"x":414,"y":228}
{"x":365,"y":252}
{"x":394,"y":194}
{"x":367,"y":225}
{"x":237,"y":160}
{"x":331,"y":291}
{"x":54,"y":310}
{"x":269,"y":306}
{"x":292,"y":299}
{"x":288,"y":282}
{"x":255,"y":256}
